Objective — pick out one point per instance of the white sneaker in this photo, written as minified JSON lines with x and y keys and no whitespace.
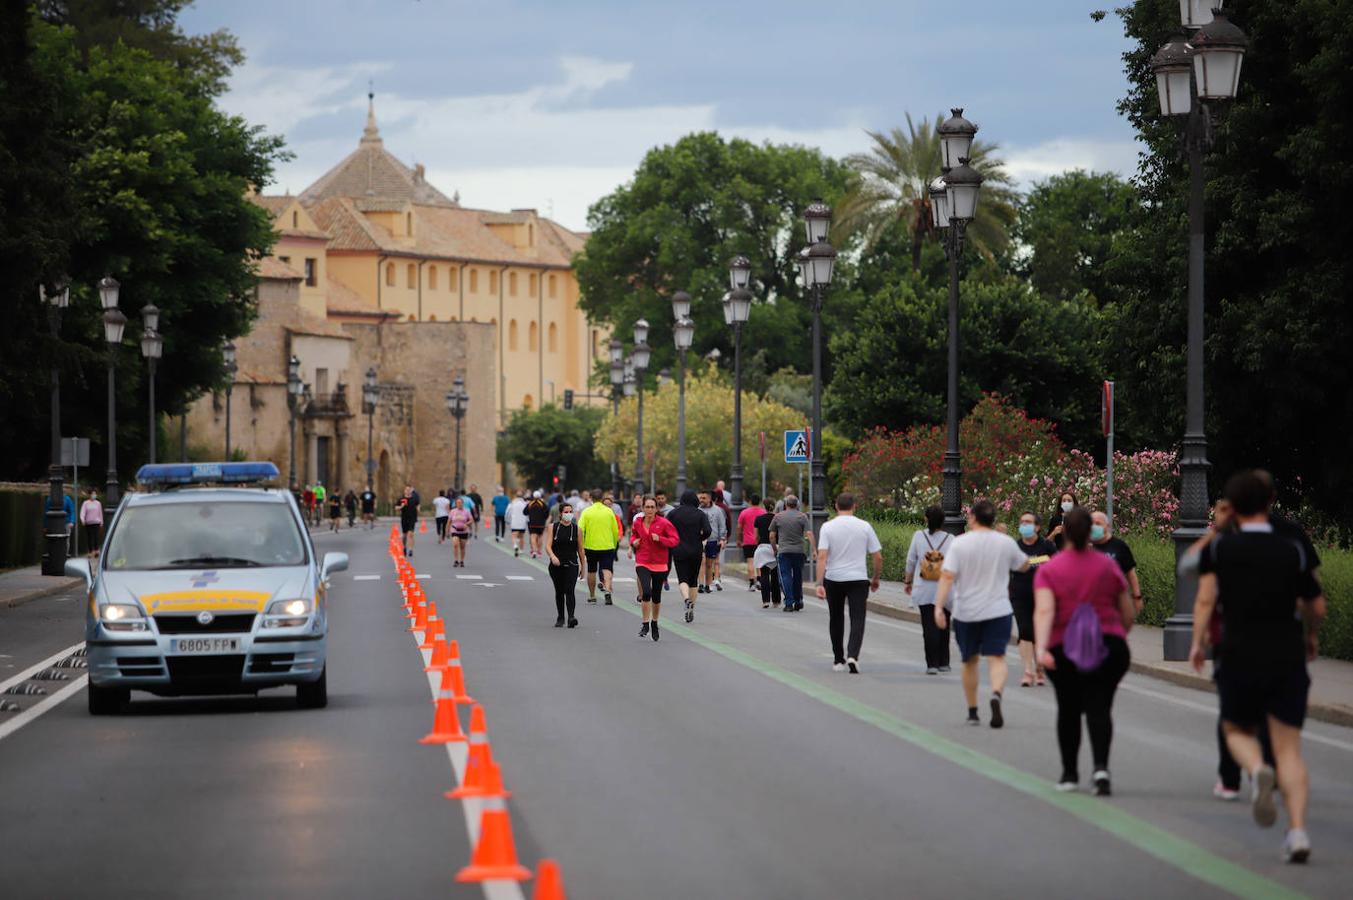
{"x":1297,"y":847}
{"x":932,"y":671}
{"x":1261,"y":796}
{"x":1222,"y":792}
{"x":838,"y":667}
{"x":853,"y":666}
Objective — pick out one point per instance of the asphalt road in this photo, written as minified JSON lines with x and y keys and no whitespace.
{"x":726,"y":760}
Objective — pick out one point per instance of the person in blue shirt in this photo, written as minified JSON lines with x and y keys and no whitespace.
{"x":500,"y":503}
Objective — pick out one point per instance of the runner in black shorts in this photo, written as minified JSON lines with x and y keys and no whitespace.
{"x":537,"y":516}
{"x":408,"y":517}
{"x":693,"y":531}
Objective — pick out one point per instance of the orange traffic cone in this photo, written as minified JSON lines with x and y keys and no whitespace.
{"x":549,"y":881}
{"x":441,"y":656}
{"x":420,"y":617}
{"x":445,"y":726}
{"x":423,"y":526}
{"x":487,"y":776}
{"x":495,"y":856}
{"x":436,"y":628}
{"x":453,"y":683}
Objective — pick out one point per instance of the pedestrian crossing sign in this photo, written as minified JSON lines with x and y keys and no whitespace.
{"x":796,"y":446}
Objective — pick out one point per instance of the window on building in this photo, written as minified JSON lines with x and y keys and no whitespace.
{"x":533,"y":284}
{"x":554,"y":286}
{"x":408,"y":224}
{"x":530,"y":235}
{"x":389,"y":274}
{"x":474,"y":281}
{"x":432,"y":278}
{"x":285,"y":259}
{"x":411,"y":275}
{"x":493,"y":282}
{"x":452,"y":273}
{"x":321,"y":382}
{"x":512,"y":334}
{"x":512,"y":283}
{"x":535,"y":337}
{"x":311,"y":278}
{"x":295,"y":219}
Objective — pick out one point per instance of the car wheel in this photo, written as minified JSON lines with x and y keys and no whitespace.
{"x":314,"y":694}
{"x":107,"y":701}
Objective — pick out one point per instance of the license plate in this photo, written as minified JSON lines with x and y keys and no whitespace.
{"x":205,"y":645}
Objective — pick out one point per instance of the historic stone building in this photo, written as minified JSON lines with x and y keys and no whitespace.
{"x":375,"y":267}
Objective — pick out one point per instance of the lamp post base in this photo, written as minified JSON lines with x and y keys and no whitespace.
{"x":1179,"y":627}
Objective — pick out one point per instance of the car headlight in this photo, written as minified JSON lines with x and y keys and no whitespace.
{"x":287,"y":613}
{"x":122,"y":617}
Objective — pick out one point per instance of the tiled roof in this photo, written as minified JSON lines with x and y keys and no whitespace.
{"x":342,"y":300}
{"x":273,"y":268}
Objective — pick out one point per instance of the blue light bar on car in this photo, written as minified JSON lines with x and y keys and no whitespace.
{"x":207,"y":473}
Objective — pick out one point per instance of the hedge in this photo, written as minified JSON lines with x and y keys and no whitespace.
{"x":20,"y":525}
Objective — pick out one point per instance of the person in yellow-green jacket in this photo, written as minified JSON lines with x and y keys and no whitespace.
{"x":601,"y":537}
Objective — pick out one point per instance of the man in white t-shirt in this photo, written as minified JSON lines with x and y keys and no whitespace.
{"x":844,"y":547}
{"x":516,"y":521}
{"x":441,"y":511}
{"x":976,"y":573}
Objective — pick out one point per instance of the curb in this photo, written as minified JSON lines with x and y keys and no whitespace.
{"x":60,"y":586}
{"x":1321,"y":712}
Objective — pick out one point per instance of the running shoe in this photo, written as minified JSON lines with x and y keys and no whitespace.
{"x":1068,"y":782}
{"x":838,"y":667}
{"x":516,"y":551}
{"x":932,"y":671}
{"x":853,"y":666}
{"x":765,"y":604}
{"x":1222,"y":792}
{"x":789,"y":607}
{"x":718,"y":585}
{"x":1261,"y":797}
{"x":643,"y":630}
{"x":572,"y":623}
{"x":690,"y":611}
{"x":944,"y":669}
{"x":591,"y":599}
{"x":752,"y":586}
{"x":1297,"y":847}
{"x":997,"y":720}
{"x":559,"y":622}
{"x":654,"y":633}
{"x":1103,"y":788}
{"x":973,"y":720}
{"x":608,"y":599}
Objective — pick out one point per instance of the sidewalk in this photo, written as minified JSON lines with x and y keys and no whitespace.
{"x":19,"y":586}
{"x":1331,"y":698}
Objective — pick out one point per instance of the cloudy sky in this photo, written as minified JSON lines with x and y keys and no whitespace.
{"x":519,"y":103}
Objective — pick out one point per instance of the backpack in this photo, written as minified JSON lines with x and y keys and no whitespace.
{"x":1083,"y":641}
{"x":933,"y":560}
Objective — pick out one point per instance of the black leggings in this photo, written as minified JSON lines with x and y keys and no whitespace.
{"x":500,"y":526}
{"x":650,"y":584}
{"x":441,"y":525}
{"x":1088,"y":694}
{"x":564,"y":578}
{"x":936,"y":639}
{"x":770,"y":583}
{"x":841,"y":594}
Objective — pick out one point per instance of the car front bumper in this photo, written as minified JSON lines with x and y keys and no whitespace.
{"x":148,"y":662}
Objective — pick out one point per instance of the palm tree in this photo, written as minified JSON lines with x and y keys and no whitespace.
{"x":892,"y":187}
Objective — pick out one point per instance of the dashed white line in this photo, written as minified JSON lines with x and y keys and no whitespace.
{"x":366,"y":578}
{"x":521,"y":578}
{"x":469,"y":577}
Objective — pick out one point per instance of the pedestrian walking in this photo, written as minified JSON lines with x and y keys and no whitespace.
{"x":845,"y":547}
{"x":1082,"y":616}
{"x":714,"y":543}
{"x":476,"y":508}
{"x":537,"y":516}
{"x":321,"y":496}
{"x":1117,"y":549}
{"x":1272,"y":607}
{"x":651,"y":538}
{"x":350,"y":507}
{"x":501,"y":501}
{"x":1064,"y":504}
{"x":976,"y":574}
{"x":767,"y":566}
{"x":663,"y":506}
{"x":460,"y":522}
{"x":791,"y":537}
{"x":745,"y":529}
{"x":441,"y":513}
{"x":308,"y":501}
{"x":780,"y":504}
{"x":600,"y":535}
{"x":723,"y":493}
{"x":517,"y":522}
{"x":925,"y":561}
{"x":91,"y":522}
{"x":335,"y":511}
{"x":694,"y":533}
{"x":408,"y":517}
{"x":369,"y":508}
{"x":564,"y":547}
{"x":1039,"y":550}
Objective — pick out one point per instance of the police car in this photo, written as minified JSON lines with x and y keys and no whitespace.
{"x":207,"y":583}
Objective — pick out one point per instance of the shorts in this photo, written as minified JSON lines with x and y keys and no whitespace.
{"x":688,"y":570}
{"x":1024,"y":617}
{"x":519,"y":531}
{"x":408,"y":526}
{"x":650,"y":584}
{"x":600,"y":559}
{"x":1248,"y":695}
{"x":461,"y":535}
{"x":536,"y":529}
{"x":989,"y":637}
{"x":748,"y":551}
{"x":711,"y":549}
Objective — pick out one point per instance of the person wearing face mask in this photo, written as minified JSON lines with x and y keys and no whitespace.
{"x":1102,"y":539}
{"x":1039,"y":550}
{"x":1064,"y":505}
{"x":564,"y":547}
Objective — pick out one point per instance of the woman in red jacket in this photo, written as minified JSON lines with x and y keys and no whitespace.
{"x":651,"y":537}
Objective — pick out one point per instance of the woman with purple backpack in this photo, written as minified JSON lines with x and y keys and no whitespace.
{"x":1082,"y":613}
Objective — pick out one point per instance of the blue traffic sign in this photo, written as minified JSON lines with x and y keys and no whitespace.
{"x":796,"y":446}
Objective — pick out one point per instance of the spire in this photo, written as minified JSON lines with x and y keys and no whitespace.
{"x":371,"y":134}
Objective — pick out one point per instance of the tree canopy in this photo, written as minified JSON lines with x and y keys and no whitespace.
{"x":536,"y":442}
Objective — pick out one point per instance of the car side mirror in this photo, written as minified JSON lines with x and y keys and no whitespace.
{"x":333,"y":562}
{"x":79,"y":568}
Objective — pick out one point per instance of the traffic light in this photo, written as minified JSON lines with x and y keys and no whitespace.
{"x":568,"y":398}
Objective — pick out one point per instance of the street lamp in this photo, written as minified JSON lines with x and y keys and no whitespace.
{"x":228,"y":353}
{"x":152,"y":345}
{"x":54,"y":521}
{"x":617,"y":352}
{"x":816,"y":263}
{"x":639,"y":357}
{"x":457,"y":401}
{"x":1204,"y":65}
{"x":737,"y":307}
{"x":371,"y":395}
{"x":683,"y":333}
{"x":114,"y":322}
{"x":295,"y":390}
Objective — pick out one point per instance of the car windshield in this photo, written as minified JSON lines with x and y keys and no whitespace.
{"x":235,"y":534}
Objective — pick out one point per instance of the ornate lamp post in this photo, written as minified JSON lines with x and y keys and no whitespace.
{"x":639,"y":357}
{"x":737,"y":307}
{"x":371,"y":395}
{"x":1205,"y":63}
{"x":152,"y":345}
{"x":617,"y":352}
{"x":114,"y":323}
{"x":54,"y":520}
{"x":683,"y":334}
{"x":817,"y":262}
{"x":228,"y":353}
{"x":457,"y":401}
{"x":295,"y":391}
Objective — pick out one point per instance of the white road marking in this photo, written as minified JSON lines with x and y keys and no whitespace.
{"x":622,"y":580}
{"x":521,"y":578}
{"x":366,"y":578}
{"x":45,"y":664}
{"x":486,"y":584}
{"x":469,"y":577}
{"x":28,"y":715}
{"x":422,"y":575}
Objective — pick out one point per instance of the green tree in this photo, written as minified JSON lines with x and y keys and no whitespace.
{"x":690,"y":207}
{"x":1067,"y":230}
{"x":892,"y":189}
{"x":1279,"y":374}
{"x":536,"y":442}
{"x":1043,"y":354}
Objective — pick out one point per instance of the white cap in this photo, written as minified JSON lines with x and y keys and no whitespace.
{"x":536,"y":493}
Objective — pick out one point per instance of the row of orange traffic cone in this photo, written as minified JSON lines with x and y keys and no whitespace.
{"x":495,"y":855}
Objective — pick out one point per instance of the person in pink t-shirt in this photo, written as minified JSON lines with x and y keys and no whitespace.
{"x":1075,"y":577}
{"x":461,"y":524}
{"x":746,"y":532}
{"x":91,"y":518}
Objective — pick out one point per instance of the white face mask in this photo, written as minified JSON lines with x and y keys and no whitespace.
{"x":1066,"y":506}
{"x":567,"y":518}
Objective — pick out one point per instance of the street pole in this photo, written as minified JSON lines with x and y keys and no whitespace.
{"x":150,"y":365}
{"x":291,"y":453}
{"x":681,"y":424}
{"x":617,"y":485}
{"x":735,"y":476}
{"x":54,"y":521}
{"x":639,"y":435}
{"x":817,"y":478}
{"x":183,"y":437}
{"x":230,"y":386}
{"x":370,"y":432}
{"x":952,"y":490}
{"x":459,"y":467}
